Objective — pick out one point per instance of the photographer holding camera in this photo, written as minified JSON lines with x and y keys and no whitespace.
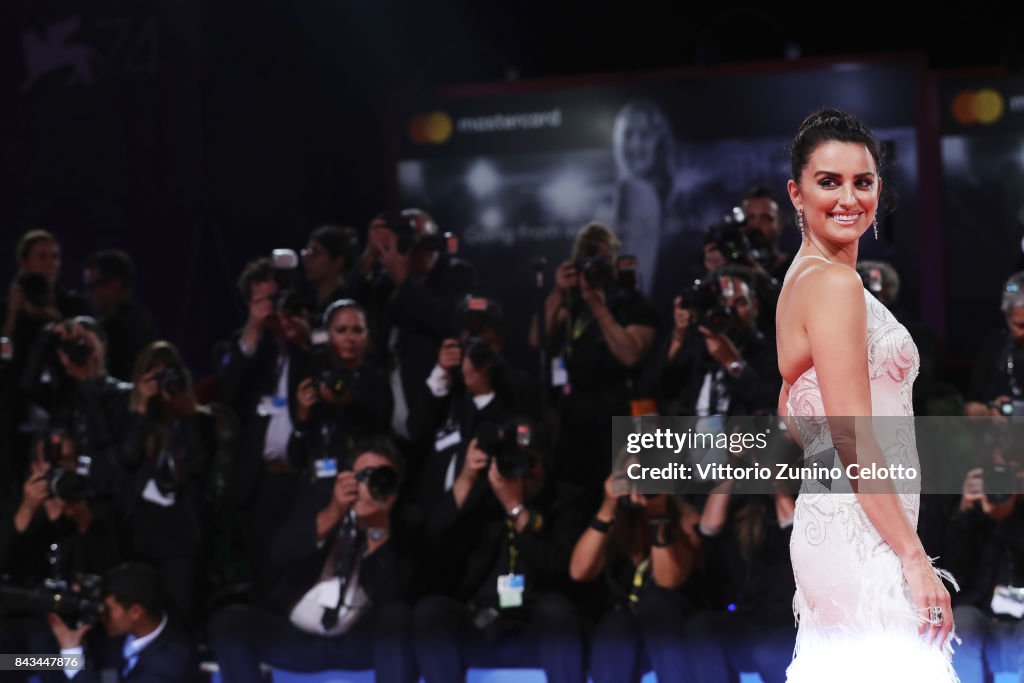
{"x":985,"y":548}
{"x":725,"y":366}
{"x":167,"y":445}
{"x":34,"y":299}
{"x":154,"y":648}
{"x":345,"y":398}
{"x":56,"y":531}
{"x":259,"y":382}
{"x":329,"y":256}
{"x":509,"y":610}
{"x":638,"y":544}
{"x":998,"y":375}
{"x":66,"y":379}
{"x":465,"y":393}
{"x":338,"y":601}
{"x":108,"y":280}
{"x":606,"y":330}
{"x":749,"y":626}
{"x":409,"y":286}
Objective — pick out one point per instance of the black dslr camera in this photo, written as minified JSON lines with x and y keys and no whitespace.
{"x":594,"y":268}
{"x":288,"y":301}
{"x":76,"y":608}
{"x":61,"y":483}
{"x":77,"y":349}
{"x":705,"y":297}
{"x":381,"y":481}
{"x":339,"y":381}
{"x":76,"y":600}
{"x":999,"y":482}
{"x":508,"y":445}
{"x":68,"y":485}
{"x":729,"y":237}
{"x":171,"y":381}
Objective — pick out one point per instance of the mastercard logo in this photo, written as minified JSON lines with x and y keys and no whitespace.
{"x":978,"y":106}
{"x":430,"y":129}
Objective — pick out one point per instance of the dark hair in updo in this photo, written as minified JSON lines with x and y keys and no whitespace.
{"x":830,"y":125}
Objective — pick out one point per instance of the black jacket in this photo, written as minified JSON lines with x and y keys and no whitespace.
{"x":982,"y":553}
{"x":295,"y":552}
{"x":334,"y":431}
{"x":754,"y":392}
{"x":543,"y":549}
{"x":243,"y":383}
{"x":170,"y":658}
{"x":419,"y":312}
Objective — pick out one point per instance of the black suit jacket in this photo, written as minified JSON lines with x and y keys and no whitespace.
{"x":754,"y":392}
{"x":421,"y":312}
{"x":243,"y":383}
{"x":295,"y":552}
{"x":171,"y":658}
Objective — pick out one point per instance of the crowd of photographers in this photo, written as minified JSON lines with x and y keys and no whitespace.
{"x":366,"y":482}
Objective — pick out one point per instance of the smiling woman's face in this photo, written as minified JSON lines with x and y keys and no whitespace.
{"x":838,"y":192}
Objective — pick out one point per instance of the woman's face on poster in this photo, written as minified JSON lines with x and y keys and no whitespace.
{"x":640,"y":142}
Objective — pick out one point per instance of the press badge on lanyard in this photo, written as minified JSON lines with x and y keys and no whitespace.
{"x":447,"y":437}
{"x":510,"y":590}
{"x":326,"y":468}
{"x":272,"y":405}
{"x":559,"y":375}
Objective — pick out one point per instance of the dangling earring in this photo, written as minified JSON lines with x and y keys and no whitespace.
{"x":800,"y":222}
{"x":876,"y":227}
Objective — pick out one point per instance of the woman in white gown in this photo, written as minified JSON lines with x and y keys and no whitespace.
{"x":869,"y":603}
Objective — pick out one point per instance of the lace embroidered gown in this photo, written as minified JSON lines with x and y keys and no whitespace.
{"x":857,"y":619}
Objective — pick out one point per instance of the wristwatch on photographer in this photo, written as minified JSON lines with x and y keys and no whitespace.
{"x":736,"y":368}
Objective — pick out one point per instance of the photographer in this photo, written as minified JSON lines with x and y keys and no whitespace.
{"x":763,"y":227}
{"x":605,"y":331}
{"x":729,"y":243}
{"x":997,"y":381}
{"x":166,"y":448}
{"x":330,"y":254}
{"x":409,"y":287}
{"x":985,"y":552}
{"x":154,"y":649}
{"x":746,"y":539}
{"x":109,"y":283}
{"x":481,"y":317}
{"x":66,"y":379}
{"x":35,"y":297}
{"x":637,"y":544}
{"x":338,"y":602}
{"x":466,"y":393}
{"x":47,"y":536}
{"x":724,"y":366}
{"x":509,"y":609}
{"x":346,"y":397}
{"x":259,"y":381}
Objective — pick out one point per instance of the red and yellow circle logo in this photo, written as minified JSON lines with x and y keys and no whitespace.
{"x":433,"y":128}
{"x":978,"y":106}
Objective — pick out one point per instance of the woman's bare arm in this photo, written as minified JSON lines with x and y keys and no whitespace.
{"x":836,"y":321}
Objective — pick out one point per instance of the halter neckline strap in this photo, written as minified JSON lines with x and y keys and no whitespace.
{"x":801,"y":258}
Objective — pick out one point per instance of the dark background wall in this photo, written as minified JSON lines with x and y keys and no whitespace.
{"x":198,"y":135}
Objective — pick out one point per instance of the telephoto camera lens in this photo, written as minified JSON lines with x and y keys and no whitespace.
{"x":382,"y":482}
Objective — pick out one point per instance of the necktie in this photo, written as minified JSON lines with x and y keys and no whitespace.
{"x":130,"y":656}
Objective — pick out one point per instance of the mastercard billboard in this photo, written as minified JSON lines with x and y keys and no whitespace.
{"x":981,"y":104}
{"x":984,"y":107}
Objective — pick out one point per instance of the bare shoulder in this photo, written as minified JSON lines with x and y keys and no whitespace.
{"x":831,"y":284}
